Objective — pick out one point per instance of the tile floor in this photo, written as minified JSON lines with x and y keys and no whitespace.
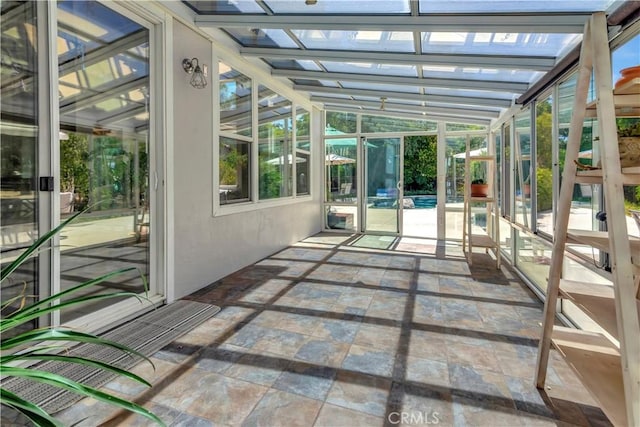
{"x":328,"y":334}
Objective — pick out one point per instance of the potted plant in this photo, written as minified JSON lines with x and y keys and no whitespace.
{"x":526,"y":187}
{"x":479,"y":188}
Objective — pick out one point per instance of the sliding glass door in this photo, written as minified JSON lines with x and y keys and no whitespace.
{"x":382,"y":204}
{"x":94,"y":154}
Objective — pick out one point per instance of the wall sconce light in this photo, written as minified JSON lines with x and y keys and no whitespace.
{"x":191,"y":66}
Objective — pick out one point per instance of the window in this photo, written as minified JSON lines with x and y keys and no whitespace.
{"x":523,"y":168}
{"x":275,"y":153}
{"x":544,"y":162}
{"x":234,"y":171}
{"x":235,"y":136}
{"x":303,"y":151}
{"x":235,"y":101}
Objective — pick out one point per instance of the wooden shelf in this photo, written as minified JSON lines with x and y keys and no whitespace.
{"x":598,"y":239}
{"x":630,"y":176}
{"x":596,"y":301}
{"x":625,"y":99}
{"x":482,"y":241}
{"x":597,"y":362}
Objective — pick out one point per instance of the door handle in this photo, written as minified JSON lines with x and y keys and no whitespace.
{"x":155,"y":180}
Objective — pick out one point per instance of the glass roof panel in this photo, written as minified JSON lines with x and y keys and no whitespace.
{"x":366,"y":68}
{"x":254,"y":37}
{"x":381,"y":41}
{"x":469,"y":92}
{"x":333,"y":7}
{"x":225,"y":7}
{"x":292,"y":64}
{"x":478,"y":73}
{"x":319,"y":83}
{"x":499,"y":43}
{"x":480,"y":6}
{"x":380,"y":86}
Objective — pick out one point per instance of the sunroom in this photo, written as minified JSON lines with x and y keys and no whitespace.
{"x":304,"y":166}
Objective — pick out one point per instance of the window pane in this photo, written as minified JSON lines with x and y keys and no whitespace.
{"x":235,"y":101}
{"x":585,"y":198}
{"x":523,"y":168}
{"x":303,"y":157}
{"x":341,"y":170}
{"x":339,"y":123}
{"x":544,"y":162}
{"x":506,"y":173}
{"x":275,"y":158}
{"x":104,"y":98}
{"x":234,"y":171}
{"x":391,"y":124}
{"x":19,"y":154}
{"x":302,"y":172}
{"x":303,"y":122}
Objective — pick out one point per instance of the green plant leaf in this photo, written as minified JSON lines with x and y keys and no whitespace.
{"x":56,"y":334}
{"x":62,"y":294}
{"x":28,"y":409}
{"x":35,"y":246}
{"x":67,"y":384}
{"x":23,"y":317}
{"x":81,"y":361}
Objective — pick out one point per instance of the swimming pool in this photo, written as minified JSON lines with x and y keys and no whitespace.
{"x":423,"y":202}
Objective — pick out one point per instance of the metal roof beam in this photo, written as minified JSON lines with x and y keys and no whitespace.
{"x":449,"y":99}
{"x":502,"y":86}
{"x":462,"y":112}
{"x":556,"y":22}
{"x":409,"y":115}
{"x":520,"y":62}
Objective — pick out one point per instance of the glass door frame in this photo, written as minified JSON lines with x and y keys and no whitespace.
{"x":363,"y":183}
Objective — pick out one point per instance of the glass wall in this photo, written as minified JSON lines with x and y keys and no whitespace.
{"x":19,"y":132}
{"x":544,"y":165}
{"x":522,"y":177}
{"x":506,"y":173}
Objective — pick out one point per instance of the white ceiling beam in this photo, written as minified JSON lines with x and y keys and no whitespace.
{"x":486,"y":23}
{"x":462,"y":112}
{"x":520,"y":62}
{"x":410,"y":115}
{"x":502,"y":86}
{"x":448,"y":99}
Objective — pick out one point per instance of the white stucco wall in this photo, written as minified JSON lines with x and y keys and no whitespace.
{"x":207,"y":247}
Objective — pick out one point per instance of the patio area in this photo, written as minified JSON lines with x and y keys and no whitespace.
{"x":326,"y":333}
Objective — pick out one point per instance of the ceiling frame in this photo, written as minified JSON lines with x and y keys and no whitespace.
{"x":557,"y":22}
{"x":462,"y":112}
{"x":464,"y":100}
{"x":451,"y":83}
{"x":519,"y":62}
